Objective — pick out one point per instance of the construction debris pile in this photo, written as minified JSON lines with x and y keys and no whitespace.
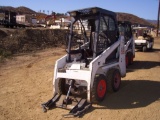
{"x":26,"y":40}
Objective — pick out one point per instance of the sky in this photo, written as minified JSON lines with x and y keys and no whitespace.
{"x":147,"y":9}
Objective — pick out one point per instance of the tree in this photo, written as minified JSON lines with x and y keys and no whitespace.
{"x":59,"y":14}
{"x":53,"y":13}
{"x":66,"y":14}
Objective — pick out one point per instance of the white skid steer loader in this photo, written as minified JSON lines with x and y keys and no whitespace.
{"x":93,"y":65}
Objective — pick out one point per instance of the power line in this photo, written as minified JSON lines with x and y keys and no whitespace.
{"x":158,"y":18}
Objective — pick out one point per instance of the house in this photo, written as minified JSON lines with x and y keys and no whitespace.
{"x":7,"y":18}
{"x":40,"y":18}
{"x":60,"y":22}
{"x":26,"y":19}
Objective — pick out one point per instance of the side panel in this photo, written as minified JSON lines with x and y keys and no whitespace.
{"x":122,"y":62}
{"x":59,"y":64}
{"x":99,"y":61}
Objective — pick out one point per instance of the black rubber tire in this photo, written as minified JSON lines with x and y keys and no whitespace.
{"x":130,"y":58}
{"x":112,"y":80}
{"x":144,"y":48}
{"x":151,"y":47}
{"x":62,"y":86}
{"x":96,"y":97}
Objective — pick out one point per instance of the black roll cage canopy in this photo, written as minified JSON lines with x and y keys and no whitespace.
{"x":94,"y":12}
{"x":127,"y":34}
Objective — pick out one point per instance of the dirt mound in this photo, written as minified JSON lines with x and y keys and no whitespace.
{"x":25,"y":40}
{"x":2,"y":34}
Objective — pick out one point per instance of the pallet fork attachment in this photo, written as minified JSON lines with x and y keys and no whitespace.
{"x":79,"y":109}
{"x":77,"y":106}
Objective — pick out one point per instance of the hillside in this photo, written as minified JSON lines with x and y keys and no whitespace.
{"x":153,"y":21}
{"x":132,"y":18}
{"x":120,"y":16}
{"x":20,"y":10}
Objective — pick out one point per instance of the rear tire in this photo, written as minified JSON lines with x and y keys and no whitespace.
{"x":144,"y":49}
{"x":113,"y":80}
{"x":99,"y":88}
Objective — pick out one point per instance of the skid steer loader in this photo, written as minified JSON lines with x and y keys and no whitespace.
{"x":93,"y":65}
{"x":125,"y":29}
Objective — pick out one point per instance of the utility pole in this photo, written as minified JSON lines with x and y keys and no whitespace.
{"x":158,"y":18}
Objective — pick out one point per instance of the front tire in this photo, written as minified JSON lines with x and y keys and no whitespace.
{"x":99,"y":88}
{"x":62,"y":86}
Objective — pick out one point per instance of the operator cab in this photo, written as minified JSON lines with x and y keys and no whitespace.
{"x":92,"y":31}
{"x":125,"y":30}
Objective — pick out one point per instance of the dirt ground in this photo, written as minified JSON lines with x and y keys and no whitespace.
{"x":26,"y":82}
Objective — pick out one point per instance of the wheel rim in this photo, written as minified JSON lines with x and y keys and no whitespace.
{"x":117,"y":80}
{"x":101,"y":88}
